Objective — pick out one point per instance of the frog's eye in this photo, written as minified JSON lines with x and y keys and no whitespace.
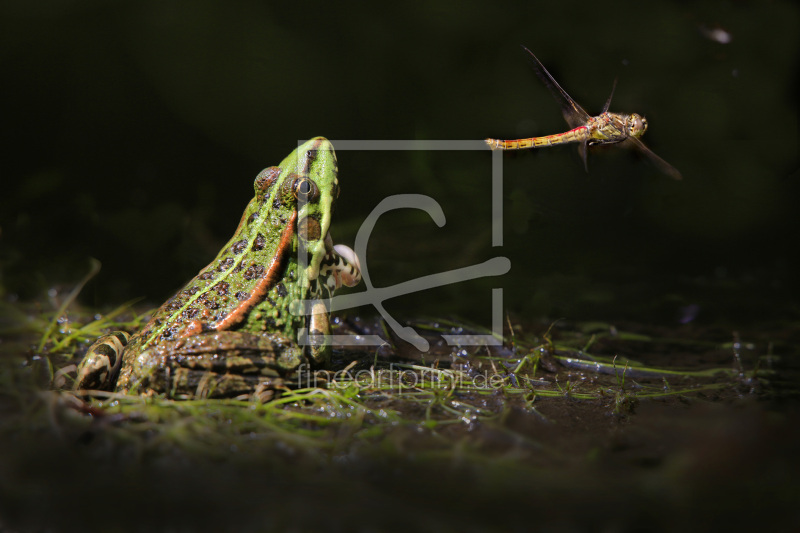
{"x":305,"y":190}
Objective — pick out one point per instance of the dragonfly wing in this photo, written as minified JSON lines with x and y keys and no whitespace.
{"x":574,"y":114}
{"x":662,"y":165}
{"x":583,"y":150}
{"x":610,"y":96}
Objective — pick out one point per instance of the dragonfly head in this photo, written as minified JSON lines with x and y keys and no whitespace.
{"x":637,"y":125}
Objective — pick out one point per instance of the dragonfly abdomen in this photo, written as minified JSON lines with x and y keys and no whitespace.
{"x":578,"y":134}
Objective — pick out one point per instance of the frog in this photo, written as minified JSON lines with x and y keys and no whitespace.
{"x":235,"y":329}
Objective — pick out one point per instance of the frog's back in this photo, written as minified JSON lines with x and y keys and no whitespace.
{"x":258,"y":264}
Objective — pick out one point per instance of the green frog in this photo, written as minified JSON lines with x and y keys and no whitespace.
{"x":231,"y":330}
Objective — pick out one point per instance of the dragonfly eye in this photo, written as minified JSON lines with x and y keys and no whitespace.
{"x":638,"y":125}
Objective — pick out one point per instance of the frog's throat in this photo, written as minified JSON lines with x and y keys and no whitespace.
{"x":270,"y":278}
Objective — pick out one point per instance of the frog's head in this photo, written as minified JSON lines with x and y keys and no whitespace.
{"x":636,"y":125}
{"x":310,"y":183}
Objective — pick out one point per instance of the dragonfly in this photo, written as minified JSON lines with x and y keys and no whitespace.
{"x":605,"y":128}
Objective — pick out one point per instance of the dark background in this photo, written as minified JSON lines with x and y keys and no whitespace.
{"x":132,"y":131}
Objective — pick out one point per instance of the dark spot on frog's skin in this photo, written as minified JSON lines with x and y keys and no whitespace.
{"x":173,"y":330}
{"x":226,"y":264}
{"x":108,"y":351}
{"x":252,"y":218}
{"x":174,"y":304}
{"x":277,"y":202}
{"x":239,"y":247}
{"x":221,"y":288}
{"x":189,"y":291}
{"x":259,"y":242}
{"x":241,"y":295}
{"x":239,"y":266}
{"x":210,"y":304}
{"x":280,"y":290}
{"x":206,"y":275}
{"x":121,"y":337}
{"x":191,"y":312}
{"x":254,"y":272}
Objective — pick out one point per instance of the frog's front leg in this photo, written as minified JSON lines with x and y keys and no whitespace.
{"x":339,"y":266}
{"x":213,"y":365}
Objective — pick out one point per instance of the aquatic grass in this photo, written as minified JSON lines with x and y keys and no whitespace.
{"x":577,"y":362}
{"x":61,"y":330}
{"x":452,"y":401}
{"x":103,"y":323}
{"x":93,"y":270}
